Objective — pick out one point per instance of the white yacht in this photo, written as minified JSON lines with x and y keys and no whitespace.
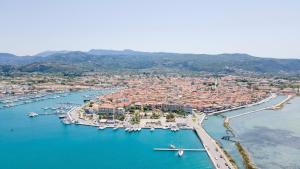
{"x":180,"y":152}
{"x":32,"y":114}
{"x":101,"y":127}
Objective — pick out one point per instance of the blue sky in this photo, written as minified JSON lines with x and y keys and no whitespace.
{"x":266,"y":28}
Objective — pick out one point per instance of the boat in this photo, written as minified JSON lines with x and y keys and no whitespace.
{"x":61,"y":116}
{"x":115,"y":128}
{"x":152,"y":129}
{"x":180,"y":152}
{"x":32,"y":114}
{"x":127,"y":129}
{"x":172,"y":146}
{"x":139,"y":129}
{"x":66,"y":121}
{"x":101,"y":127}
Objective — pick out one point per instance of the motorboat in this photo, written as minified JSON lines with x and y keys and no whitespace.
{"x":152,"y":129}
{"x":172,"y":146}
{"x":62,"y":116}
{"x":180,"y":152}
{"x":32,"y":114}
{"x":101,"y":127}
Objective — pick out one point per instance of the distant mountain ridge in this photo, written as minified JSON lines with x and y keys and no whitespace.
{"x":130,"y":60}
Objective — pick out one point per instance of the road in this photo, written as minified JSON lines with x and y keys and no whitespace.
{"x":216,"y":154}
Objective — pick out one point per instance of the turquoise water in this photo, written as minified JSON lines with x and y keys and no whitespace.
{"x":272,"y":138}
{"x":45,"y":143}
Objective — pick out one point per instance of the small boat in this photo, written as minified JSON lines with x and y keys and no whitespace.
{"x":32,"y":114}
{"x":180,"y":152}
{"x":172,"y":146}
{"x":152,"y":129}
{"x":66,"y":121}
{"x":115,"y":128}
{"x":61,"y":116}
{"x":127,"y":129}
{"x":139,"y":129}
{"x":101,"y":128}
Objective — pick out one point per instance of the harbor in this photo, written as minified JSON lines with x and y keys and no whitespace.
{"x":68,"y":112}
{"x":69,"y":142}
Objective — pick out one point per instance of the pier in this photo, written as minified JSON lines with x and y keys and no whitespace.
{"x":177,"y":149}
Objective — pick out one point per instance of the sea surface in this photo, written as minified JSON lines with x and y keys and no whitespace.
{"x":44,"y":142}
{"x":272,"y":137}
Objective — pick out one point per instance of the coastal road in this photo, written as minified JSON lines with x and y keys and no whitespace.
{"x":214,"y":151}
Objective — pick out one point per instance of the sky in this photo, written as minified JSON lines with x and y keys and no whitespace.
{"x":264,"y":28}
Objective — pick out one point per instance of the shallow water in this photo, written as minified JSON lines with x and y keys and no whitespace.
{"x":45,"y":143}
{"x":271,"y":137}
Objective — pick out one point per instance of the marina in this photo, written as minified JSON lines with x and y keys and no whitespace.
{"x":48,"y":130}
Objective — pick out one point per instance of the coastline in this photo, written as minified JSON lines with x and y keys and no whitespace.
{"x":225,"y":155}
{"x":273,"y":95}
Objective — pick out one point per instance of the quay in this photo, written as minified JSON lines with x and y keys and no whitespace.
{"x":177,"y":149}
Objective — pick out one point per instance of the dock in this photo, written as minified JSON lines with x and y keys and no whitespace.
{"x":177,"y":149}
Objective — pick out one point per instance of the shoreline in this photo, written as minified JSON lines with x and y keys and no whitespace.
{"x":225,"y":155}
{"x":273,"y":95}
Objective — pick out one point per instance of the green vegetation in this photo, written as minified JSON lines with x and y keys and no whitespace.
{"x":76,"y":63}
{"x":136,"y":118}
{"x":246,"y":159}
{"x":155,"y":115}
{"x":180,"y":112}
{"x":120,"y":117}
{"x":170,"y":117}
{"x":230,"y":159}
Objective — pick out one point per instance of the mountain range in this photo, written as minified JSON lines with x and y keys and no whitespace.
{"x":136,"y":61}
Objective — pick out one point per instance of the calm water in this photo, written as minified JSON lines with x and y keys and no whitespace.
{"x":271,"y":137}
{"x":44,"y":142}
